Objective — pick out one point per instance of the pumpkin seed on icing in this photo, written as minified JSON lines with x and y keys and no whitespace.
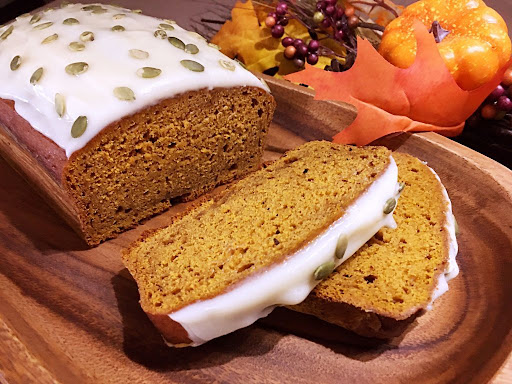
{"x":191,"y":48}
{"x":60,"y":104}
{"x":341,"y":247}
{"x":7,"y":32}
{"x":23,"y":16}
{"x":79,"y":127}
{"x":49,"y":9}
{"x":138,"y":54}
{"x":50,"y":38}
{"x":214,"y":46}
{"x":139,"y":11}
{"x":389,"y":206}
{"x":324,"y":270}
{"x":76,"y":69}
{"x":169,"y":21}
{"x":124,"y":93}
{"x":36,"y":76}
{"x":160,"y":34}
{"x":241,"y":64}
{"x":167,"y":27}
{"x":401,"y":186}
{"x":91,"y":7}
{"x":176,"y":42}
{"x":119,"y":16}
{"x":87,"y":36}
{"x":35,"y":18}
{"x":197,"y":35}
{"x":227,"y":65}
{"x":192,"y":65}
{"x":118,"y":28}
{"x":99,"y":11}
{"x":64,"y":4}
{"x":43,"y":26}
{"x":148,"y":72}
{"x":15,"y":63}
{"x":76,"y":46}
{"x":70,"y":21}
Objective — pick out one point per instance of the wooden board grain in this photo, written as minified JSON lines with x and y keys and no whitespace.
{"x":70,"y":314}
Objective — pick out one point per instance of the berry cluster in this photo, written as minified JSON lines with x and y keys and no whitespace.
{"x":277,"y":20}
{"x":330,"y":15}
{"x":298,"y":51}
{"x":499,"y":102}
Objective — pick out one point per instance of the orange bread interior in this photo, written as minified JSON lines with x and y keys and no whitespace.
{"x":254,"y":224}
{"x":394,"y":274}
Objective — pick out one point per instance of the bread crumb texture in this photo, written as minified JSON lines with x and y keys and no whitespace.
{"x":255,"y":223}
{"x":175,"y":150}
{"x":394,"y":274}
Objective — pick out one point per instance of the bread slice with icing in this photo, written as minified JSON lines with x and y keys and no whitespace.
{"x":265,"y":241}
{"x":124,"y":113}
{"x":399,"y":272}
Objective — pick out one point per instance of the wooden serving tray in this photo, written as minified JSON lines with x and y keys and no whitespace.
{"x":70,"y":314}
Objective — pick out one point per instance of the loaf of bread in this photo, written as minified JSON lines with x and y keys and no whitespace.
{"x":265,"y":241}
{"x":399,"y":272}
{"x":117,"y":115}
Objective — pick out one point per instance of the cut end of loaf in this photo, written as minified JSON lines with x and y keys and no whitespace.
{"x":173,"y":151}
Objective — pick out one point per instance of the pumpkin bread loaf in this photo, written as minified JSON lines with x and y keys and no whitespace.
{"x":127,"y":113}
{"x":399,"y":272}
{"x":267,"y":240}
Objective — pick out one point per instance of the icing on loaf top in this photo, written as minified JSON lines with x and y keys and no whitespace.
{"x":72,"y":71}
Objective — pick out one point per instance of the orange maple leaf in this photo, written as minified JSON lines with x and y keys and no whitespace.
{"x":423,"y":97}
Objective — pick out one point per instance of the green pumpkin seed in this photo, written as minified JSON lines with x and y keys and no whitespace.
{"x":99,"y":11}
{"x":214,"y":46}
{"x":76,"y":46}
{"x":70,"y":21}
{"x":139,"y":11}
{"x":161,"y":34}
{"x":169,"y":21}
{"x":119,"y":16}
{"x":167,"y":27}
{"x":138,"y":54}
{"x":49,"y":9}
{"x":87,"y":36}
{"x":76,"y":69}
{"x":227,"y":65}
{"x":50,"y":38}
{"x":43,"y":26}
{"x":196,"y":35}
{"x":192,"y":65}
{"x":401,"y":187}
{"x":6,"y":33}
{"x":15,"y":63}
{"x":176,"y":42}
{"x":36,"y":76}
{"x":390,"y":205}
{"x":241,"y":64}
{"x":124,"y":93}
{"x":148,"y":72}
{"x":191,"y":48}
{"x":79,"y":127}
{"x":91,"y":7}
{"x":23,"y":16}
{"x":324,"y":270}
{"x":118,"y":28}
{"x":60,"y":104}
{"x":341,"y":247}
{"x":457,"y":231}
{"x":35,"y":18}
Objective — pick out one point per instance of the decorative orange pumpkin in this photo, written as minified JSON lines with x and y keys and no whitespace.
{"x":472,"y":38}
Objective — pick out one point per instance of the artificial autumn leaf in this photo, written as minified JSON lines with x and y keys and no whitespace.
{"x":423,"y":97}
{"x":246,"y":37}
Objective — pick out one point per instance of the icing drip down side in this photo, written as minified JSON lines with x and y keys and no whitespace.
{"x":73,"y":71}
{"x":291,"y":281}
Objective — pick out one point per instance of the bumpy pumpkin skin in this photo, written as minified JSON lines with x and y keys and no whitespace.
{"x":477,"y":46}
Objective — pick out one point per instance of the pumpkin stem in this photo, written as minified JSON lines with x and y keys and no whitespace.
{"x":439,"y":32}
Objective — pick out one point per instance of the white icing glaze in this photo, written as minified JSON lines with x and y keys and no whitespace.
{"x":452,"y":269}
{"x":291,"y":281}
{"x":110,"y":65}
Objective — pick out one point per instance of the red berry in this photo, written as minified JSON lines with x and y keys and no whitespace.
{"x":312,"y":59}
{"x":287,"y":41}
{"x":339,"y":13}
{"x":325,"y":23}
{"x":497,"y":93}
{"x":277,"y":31}
{"x":504,"y":103}
{"x":331,"y":2}
{"x":313,"y":45}
{"x":289,"y":52}
{"x":302,"y":51}
{"x":353,"y":21}
{"x":298,"y":63}
{"x":339,"y":35}
{"x":507,"y":77}
{"x":270,"y":21}
{"x":350,"y":11}
{"x":281,"y":9}
{"x":339,"y":24}
{"x":330,"y":10}
{"x":489,"y":111}
{"x":272,"y":14}
{"x":283,"y":21}
{"x":298,"y":42}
